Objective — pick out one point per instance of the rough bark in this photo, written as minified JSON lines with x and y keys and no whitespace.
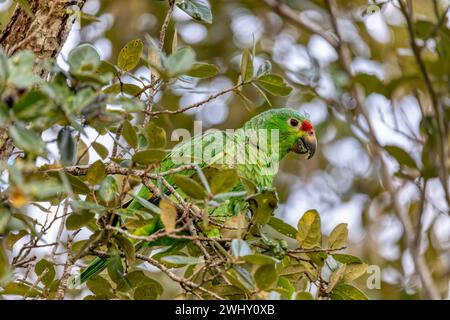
{"x":44,"y":34}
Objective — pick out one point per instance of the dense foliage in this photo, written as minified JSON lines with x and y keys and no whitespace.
{"x":88,"y":131}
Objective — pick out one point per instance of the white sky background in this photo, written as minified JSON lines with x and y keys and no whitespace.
{"x":346,"y":155}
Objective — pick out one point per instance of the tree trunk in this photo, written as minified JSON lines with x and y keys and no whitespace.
{"x":44,"y":34}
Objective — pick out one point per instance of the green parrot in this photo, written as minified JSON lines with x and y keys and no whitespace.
{"x":254,"y":150}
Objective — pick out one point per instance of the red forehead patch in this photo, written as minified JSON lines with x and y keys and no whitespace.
{"x":306,"y":126}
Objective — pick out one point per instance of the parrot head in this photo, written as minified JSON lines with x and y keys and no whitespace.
{"x":296,"y":132}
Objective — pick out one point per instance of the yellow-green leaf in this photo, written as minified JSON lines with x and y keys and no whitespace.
{"x":346,"y":291}
{"x":203,"y":70}
{"x":190,"y":187}
{"x":262,"y":205}
{"x":274,"y":84}
{"x":149,"y":156}
{"x":309,"y":230}
{"x":155,"y":135}
{"x":354,"y":271}
{"x":266,"y":276}
{"x":96,"y":172}
{"x":101,"y":150}
{"x":130,"y":55}
{"x":129,"y":134}
{"x":246,"y":66}
{"x":338,"y":237}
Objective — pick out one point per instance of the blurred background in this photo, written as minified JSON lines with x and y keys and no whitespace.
{"x":343,"y":181}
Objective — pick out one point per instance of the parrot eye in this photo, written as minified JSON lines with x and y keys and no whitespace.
{"x":293,"y":122}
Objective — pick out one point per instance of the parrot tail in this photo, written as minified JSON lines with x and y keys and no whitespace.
{"x":99,"y":264}
{"x":94,"y":268}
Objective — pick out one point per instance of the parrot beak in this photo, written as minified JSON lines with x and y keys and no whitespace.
{"x":306,"y":145}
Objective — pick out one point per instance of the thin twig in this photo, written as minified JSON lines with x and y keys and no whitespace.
{"x":166,"y":270}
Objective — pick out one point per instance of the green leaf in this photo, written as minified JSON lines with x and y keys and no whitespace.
{"x":148,"y":205}
{"x":129,"y":134}
{"x":240,"y":278}
{"x":21,"y":289}
{"x":108,"y":189}
{"x":127,"y":88}
{"x":96,"y":173}
{"x":5,"y":217}
{"x":27,"y":139}
{"x":78,"y":186}
{"x":78,"y":220}
{"x":346,"y":258}
{"x":371,"y":83}
{"x":100,"y":286}
{"x":129,"y":104}
{"x":318,"y":258}
{"x":274,"y":84}
{"x":248,"y":103}
{"x":261,"y":93}
{"x":287,"y":288}
{"x":182,"y":260}
{"x":246,"y":66}
{"x":82,"y":153}
{"x":259,"y":259}
{"x":138,"y":278}
{"x":67,"y":147}
{"x":345,"y":291}
{"x":127,"y":247}
{"x":338,"y":237}
{"x":423,"y":28}
{"x":240,"y":248}
{"x":190,"y":187}
{"x":180,"y":62}
{"x":199,"y":10}
{"x":145,"y":292}
{"x":4,"y":69}
{"x":283,"y":227}
{"x":79,"y":206}
{"x":155,"y":135}
{"x":149,"y":156}
{"x":402,"y":157}
{"x":32,"y":105}
{"x":309,"y":231}
{"x":354,"y":271}
{"x":115,"y":266}
{"x":21,"y":70}
{"x":45,"y":266}
{"x":43,"y":189}
{"x":4,"y":266}
{"x":266,"y":276}
{"x":262,"y":205}
{"x":175,"y":40}
{"x":335,"y":277}
{"x":203,"y":70}
{"x":101,"y":150}
{"x":174,"y":262}
{"x":223,"y":180}
{"x":84,"y":58}
{"x":304,"y":295}
{"x":130,"y":55}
